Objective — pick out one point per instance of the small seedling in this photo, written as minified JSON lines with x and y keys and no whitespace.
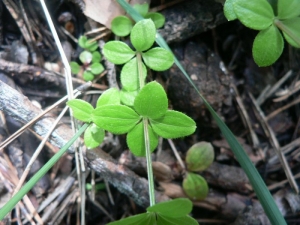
{"x":198,"y":158}
{"x":269,"y":19}
{"x":144,"y":115}
{"x":90,"y":60}
{"x":122,"y":25}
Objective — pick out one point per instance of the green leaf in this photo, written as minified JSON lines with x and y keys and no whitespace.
{"x":82,"y":110}
{"x":142,"y":8}
{"x":75,"y":68}
{"x":174,"y":208}
{"x":288,"y":9}
{"x":117,"y":119}
{"x":173,"y":124}
{"x":184,"y":220}
{"x":96,"y":68}
{"x":130,"y":75}
{"x":195,"y":186}
{"x":143,"y":34}
{"x":117,"y":52}
{"x":96,"y":57}
{"x":91,"y":45}
{"x":140,"y":219}
{"x":93,"y":136}
{"x":85,"y":57}
{"x":255,"y":14}
{"x":121,"y":26}
{"x":88,"y":75}
{"x":127,"y":97}
{"x":294,"y":26}
{"x":268,"y":46}
{"x":151,"y":101}
{"x":229,"y":10}
{"x":109,"y":97}
{"x":158,"y":59}
{"x":136,"y":140}
{"x":81,"y":41}
{"x":157,"y":18}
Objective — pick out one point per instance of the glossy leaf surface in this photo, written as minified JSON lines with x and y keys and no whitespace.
{"x":136,"y":140}
{"x":158,"y":59}
{"x":267,"y":46}
{"x":117,"y":52}
{"x":173,"y":124}
{"x":143,"y":34}
{"x":82,"y":110}
{"x":151,"y":101}
{"x":117,"y":119}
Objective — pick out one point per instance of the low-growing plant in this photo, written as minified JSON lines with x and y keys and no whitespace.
{"x":90,"y":60}
{"x":255,"y":179}
{"x":269,"y":17}
{"x":122,"y":25}
{"x":141,"y":111}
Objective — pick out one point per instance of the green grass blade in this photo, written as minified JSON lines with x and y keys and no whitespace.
{"x":29,"y":185}
{"x":258,"y":184}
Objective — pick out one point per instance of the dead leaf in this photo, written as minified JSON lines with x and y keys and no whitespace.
{"x":105,"y":11}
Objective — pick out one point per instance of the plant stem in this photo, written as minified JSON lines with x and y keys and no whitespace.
{"x":140,"y":69}
{"x":287,"y":30}
{"x":146,"y":136}
{"x":149,"y":163}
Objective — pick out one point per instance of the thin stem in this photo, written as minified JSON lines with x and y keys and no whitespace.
{"x":149,"y":163}
{"x":140,"y":69}
{"x":146,"y":136}
{"x":287,"y":30}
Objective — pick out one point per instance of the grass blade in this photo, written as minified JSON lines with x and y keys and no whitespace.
{"x":258,"y":184}
{"x":29,"y":185}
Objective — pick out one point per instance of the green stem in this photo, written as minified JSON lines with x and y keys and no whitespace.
{"x":149,"y":163}
{"x":287,"y":30}
{"x":146,"y":136}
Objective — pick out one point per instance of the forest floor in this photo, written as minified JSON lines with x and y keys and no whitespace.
{"x":259,"y":104}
